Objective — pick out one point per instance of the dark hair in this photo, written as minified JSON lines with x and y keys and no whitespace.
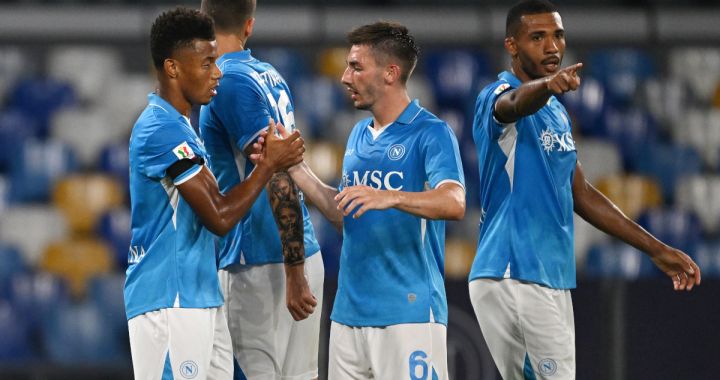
{"x":176,"y":29}
{"x":522,"y":8}
{"x":390,"y":39}
{"x":229,"y":15}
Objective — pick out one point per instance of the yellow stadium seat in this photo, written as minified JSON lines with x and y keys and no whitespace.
{"x":84,"y":198}
{"x":331,"y":62}
{"x":77,"y":260}
{"x":459,"y":256}
{"x":325,"y":159}
{"x":631,"y":193}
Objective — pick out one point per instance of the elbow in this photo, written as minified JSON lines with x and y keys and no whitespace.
{"x":457,"y":210}
{"x":219,"y":227}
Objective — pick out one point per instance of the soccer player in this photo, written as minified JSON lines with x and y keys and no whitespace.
{"x":402,"y":176}
{"x":172,"y":292}
{"x":530,"y":183}
{"x":264,"y":261}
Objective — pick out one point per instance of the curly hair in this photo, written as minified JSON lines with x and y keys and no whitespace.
{"x":388,"y":39}
{"x":176,"y":29}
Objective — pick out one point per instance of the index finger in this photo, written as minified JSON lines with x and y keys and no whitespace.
{"x":271,"y":127}
{"x":574,"y":68}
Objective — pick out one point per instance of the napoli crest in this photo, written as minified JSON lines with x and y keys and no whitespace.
{"x":547,"y":367}
{"x":188,"y":369}
{"x":396,"y":152}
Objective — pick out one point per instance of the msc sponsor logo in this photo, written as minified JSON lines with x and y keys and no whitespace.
{"x":552,"y":141}
{"x":396,"y":152}
{"x":375,"y":179}
{"x":188,"y":369}
{"x":547,"y":367}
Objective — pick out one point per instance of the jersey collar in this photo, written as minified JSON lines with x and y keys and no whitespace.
{"x":509,"y":77}
{"x":410,"y":113}
{"x":242,"y":56}
{"x":156,"y":101}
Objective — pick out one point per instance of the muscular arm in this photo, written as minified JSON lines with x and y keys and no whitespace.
{"x":445,"y":202}
{"x":599,"y":211}
{"x":320,"y":194}
{"x":285,"y":204}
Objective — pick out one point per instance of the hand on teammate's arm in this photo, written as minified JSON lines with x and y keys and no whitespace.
{"x":599,"y":211}
{"x":532,"y":96}
{"x":445,"y":202}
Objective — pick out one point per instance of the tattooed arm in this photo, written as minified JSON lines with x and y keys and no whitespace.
{"x":285,"y":204}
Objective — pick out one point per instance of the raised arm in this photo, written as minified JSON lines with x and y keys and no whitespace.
{"x":533,"y":95}
{"x":220,"y":212}
{"x":599,"y":211}
{"x":319,"y":193}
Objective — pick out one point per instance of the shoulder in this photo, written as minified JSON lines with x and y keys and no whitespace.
{"x":428,"y":124}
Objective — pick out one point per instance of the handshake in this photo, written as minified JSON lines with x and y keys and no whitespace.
{"x":278,"y":149}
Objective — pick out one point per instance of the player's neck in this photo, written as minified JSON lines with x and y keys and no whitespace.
{"x":389,"y":108}
{"x":175,"y":98}
{"x":517,"y":70}
{"x":229,"y":43}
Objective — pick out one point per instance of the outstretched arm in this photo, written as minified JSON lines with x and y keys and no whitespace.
{"x":599,"y":211}
{"x":319,"y":193}
{"x":532,"y":96}
{"x":447,"y":201}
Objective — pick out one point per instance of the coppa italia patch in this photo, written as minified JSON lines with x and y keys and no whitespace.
{"x":501,"y":88}
{"x":183,"y":151}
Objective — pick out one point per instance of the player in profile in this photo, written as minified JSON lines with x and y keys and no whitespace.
{"x":269,"y":301}
{"x":530,"y":184}
{"x":172,"y":292}
{"x":402,"y":176}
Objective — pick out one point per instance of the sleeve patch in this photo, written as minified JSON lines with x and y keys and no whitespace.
{"x":183,"y":151}
{"x":501,"y":88}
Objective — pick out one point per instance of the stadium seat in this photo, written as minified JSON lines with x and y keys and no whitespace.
{"x":622,"y":72}
{"x":700,"y":128}
{"x":83,"y":198}
{"x":331,"y":62}
{"x":631,"y":193}
{"x":114,"y":228}
{"x":673,"y":226}
{"x":618,"y":260}
{"x":419,"y":87}
{"x":686,"y":62}
{"x":325,"y":159}
{"x":124,"y":99}
{"x":115,"y":161}
{"x":707,"y":257}
{"x":77,"y":260}
{"x":292,"y":64}
{"x":13,"y":64}
{"x":77,"y":334}
{"x":586,"y":106}
{"x":15,"y":128}
{"x":456,"y":76}
{"x":12,"y":263}
{"x":666,"y":98}
{"x":701,"y":195}
{"x":667,"y":164}
{"x":106,"y":292}
{"x":40,"y":98}
{"x":599,"y":158}
{"x":585,"y":236}
{"x":31,"y":228}
{"x":97,"y":63}
{"x":317,"y":98}
{"x":15,"y":346}
{"x":36,"y":168}
{"x":87,"y":133}
{"x":629,"y":129}
{"x":36,"y":294}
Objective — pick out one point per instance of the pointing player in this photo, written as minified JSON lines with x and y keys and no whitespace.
{"x":172,"y":293}
{"x":268,"y":299}
{"x":530,"y":183}
{"x":402,"y":176}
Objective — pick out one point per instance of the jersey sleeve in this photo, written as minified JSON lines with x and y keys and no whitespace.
{"x":168,"y":144}
{"x":242,"y":106}
{"x":441,"y":156}
{"x":485,"y":120}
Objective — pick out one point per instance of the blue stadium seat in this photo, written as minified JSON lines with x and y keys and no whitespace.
{"x":456,"y":76}
{"x":629,"y":129}
{"x":290,"y":63}
{"x":114,"y":160}
{"x":12,"y":264}
{"x":668,"y":164}
{"x":36,"y":168}
{"x":15,"y":128}
{"x":676,"y":227}
{"x":618,"y":260}
{"x":317,"y":98}
{"x":37,"y":295}
{"x":106,"y":292}
{"x":40,"y":98}
{"x":586,"y":106}
{"x":77,"y":334}
{"x":15,"y":342}
{"x":622,"y":72}
{"x":707,"y":257}
{"x":114,"y":228}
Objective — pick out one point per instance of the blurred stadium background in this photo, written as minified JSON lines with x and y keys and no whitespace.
{"x":74,"y":75}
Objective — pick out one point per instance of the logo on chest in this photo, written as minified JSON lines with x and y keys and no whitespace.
{"x":552,"y":141}
{"x":396,"y":152}
{"x":376,"y":179}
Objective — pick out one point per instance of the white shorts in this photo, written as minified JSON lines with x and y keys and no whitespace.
{"x":197,"y":341}
{"x":526,"y":322}
{"x":268,"y":343}
{"x":415,"y":351}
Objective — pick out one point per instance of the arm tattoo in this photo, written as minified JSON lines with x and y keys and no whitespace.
{"x":286,"y":209}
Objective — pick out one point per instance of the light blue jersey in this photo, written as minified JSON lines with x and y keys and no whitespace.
{"x":526,"y":174}
{"x":392,"y":262}
{"x":172,"y":256}
{"x":250,"y":93}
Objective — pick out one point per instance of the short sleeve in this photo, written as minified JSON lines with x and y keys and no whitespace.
{"x":442,"y":156}
{"x":242,"y":106}
{"x":485,"y":120}
{"x":169,"y":143}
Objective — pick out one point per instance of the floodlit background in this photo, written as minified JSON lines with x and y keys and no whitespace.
{"x":74,"y":75}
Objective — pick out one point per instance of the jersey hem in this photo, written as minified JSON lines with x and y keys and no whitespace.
{"x":263,"y":262}
{"x":495,"y":275}
{"x":140,"y":311}
{"x":351,"y":323}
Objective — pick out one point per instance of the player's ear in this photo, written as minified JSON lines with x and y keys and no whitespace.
{"x":511,"y":46}
{"x":170,"y":66}
{"x":249,"y":25}
{"x":392,"y":74}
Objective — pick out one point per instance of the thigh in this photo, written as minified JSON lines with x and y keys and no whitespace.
{"x":546,"y":317}
{"x":415,"y":351}
{"x":495,"y":304}
{"x":254,"y":295}
{"x":221,"y":357}
{"x":149,"y":344}
{"x":347,"y":356}
{"x":191,"y":339}
{"x":300,"y":360}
